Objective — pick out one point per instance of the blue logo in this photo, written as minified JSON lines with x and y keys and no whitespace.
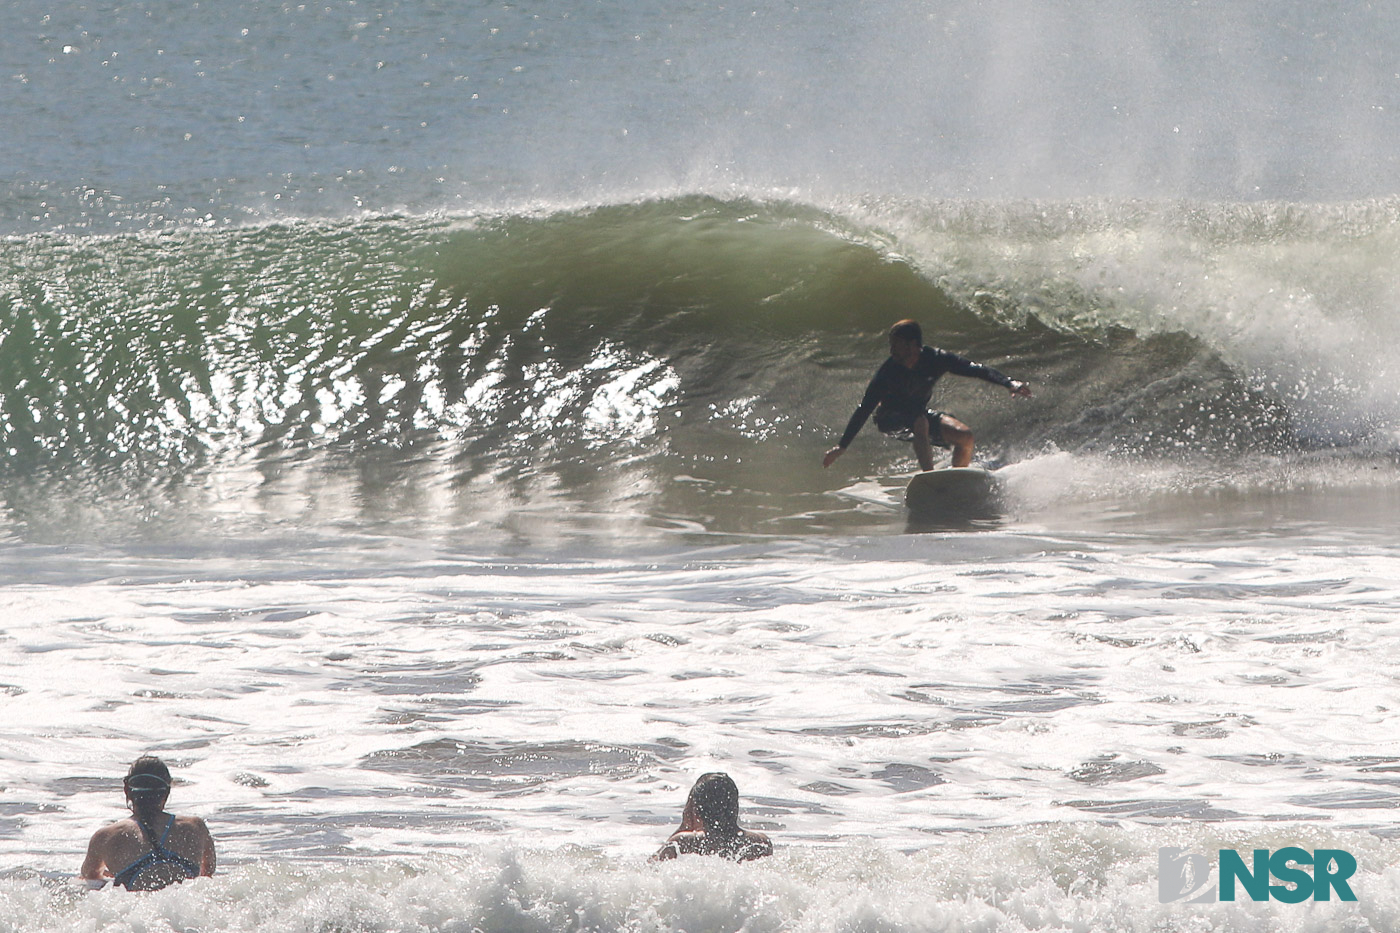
{"x":1182,"y":876}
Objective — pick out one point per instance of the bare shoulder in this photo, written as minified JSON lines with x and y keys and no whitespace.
{"x":690,"y":842}
{"x":109,"y":846}
{"x":756,"y":845}
{"x":678,"y":844}
{"x":112,"y":831}
{"x":193,"y":829}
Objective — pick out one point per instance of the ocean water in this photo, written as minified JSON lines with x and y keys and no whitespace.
{"x":412,"y":415}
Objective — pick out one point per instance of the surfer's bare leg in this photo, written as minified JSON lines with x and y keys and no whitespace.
{"x":923,"y":447}
{"x":957,"y":436}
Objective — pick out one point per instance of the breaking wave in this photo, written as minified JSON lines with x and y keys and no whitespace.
{"x":646,"y":356}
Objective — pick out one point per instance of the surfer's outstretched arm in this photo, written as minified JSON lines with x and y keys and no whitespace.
{"x":873,"y":393}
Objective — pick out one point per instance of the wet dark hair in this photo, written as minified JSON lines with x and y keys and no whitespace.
{"x":713,"y":805}
{"x":907,"y":330}
{"x":147,"y":784}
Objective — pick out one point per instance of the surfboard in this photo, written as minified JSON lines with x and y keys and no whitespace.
{"x":953,"y":492}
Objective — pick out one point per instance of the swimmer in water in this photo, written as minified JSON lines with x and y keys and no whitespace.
{"x":153,"y":848}
{"x":710,"y":825}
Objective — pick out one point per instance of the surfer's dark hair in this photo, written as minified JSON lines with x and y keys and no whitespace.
{"x":147,"y":784}
{"x":713,"y":805}
{"x":907,"y":330}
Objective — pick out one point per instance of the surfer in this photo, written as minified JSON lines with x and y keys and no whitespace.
{"x":899,"y":395}
{"x":153,"y":848}
{"x":710,"y":825}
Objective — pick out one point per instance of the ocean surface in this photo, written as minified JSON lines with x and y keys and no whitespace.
{"x":411,"y":418}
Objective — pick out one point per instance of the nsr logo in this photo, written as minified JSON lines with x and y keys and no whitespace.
{"x":1182,"y":876}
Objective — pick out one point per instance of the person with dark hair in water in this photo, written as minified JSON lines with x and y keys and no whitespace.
{"x":153,"y":848}
{"x":710,"y":825}
{"x":899,"y":394}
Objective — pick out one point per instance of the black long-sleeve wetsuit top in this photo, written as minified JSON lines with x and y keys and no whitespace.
{"x":907,"y":391}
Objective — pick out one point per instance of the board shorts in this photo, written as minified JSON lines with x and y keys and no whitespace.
{"x":899,"y":424}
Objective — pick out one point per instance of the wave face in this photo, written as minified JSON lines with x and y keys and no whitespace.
{"x":679,"y":360}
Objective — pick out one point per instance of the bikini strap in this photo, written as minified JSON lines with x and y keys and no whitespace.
{"x":157,"y":845}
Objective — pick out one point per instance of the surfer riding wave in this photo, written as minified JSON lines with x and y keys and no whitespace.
{"x":899,"y":394}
